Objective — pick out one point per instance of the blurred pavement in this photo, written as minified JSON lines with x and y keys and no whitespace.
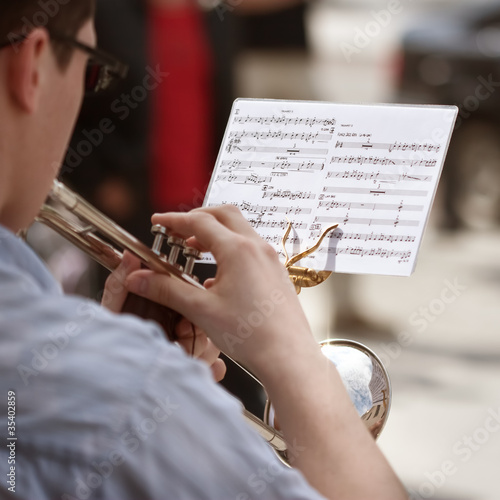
{"x":443,"y":436}
{"x":443,"y":433}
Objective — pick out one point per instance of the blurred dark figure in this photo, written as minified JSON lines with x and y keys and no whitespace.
{"x":283,"y":29}
{"x":150,"y":145}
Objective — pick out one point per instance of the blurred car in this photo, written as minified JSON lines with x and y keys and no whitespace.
{"x":452,"y":56}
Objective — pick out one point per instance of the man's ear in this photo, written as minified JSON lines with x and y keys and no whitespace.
{"x":27,"y":69}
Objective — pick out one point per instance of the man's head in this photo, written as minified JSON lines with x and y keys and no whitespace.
{"x":63,"y":17}
{"x":41,"y":88}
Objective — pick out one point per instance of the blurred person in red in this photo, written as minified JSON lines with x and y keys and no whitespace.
{"x":168,"y":117}
{"x":150,"y":144}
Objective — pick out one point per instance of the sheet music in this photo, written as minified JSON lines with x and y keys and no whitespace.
{"x":373,"y":169}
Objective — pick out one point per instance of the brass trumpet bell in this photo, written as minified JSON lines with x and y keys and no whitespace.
{"x":365,"y":379}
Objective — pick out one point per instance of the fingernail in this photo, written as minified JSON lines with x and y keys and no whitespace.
{"x":126,"y":261}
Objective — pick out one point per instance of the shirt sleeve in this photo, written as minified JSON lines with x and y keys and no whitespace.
{"x":186,"y":438}
{"x":107,"y":408}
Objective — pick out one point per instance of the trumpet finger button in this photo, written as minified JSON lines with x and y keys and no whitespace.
{"x":160,"y":233}
{"x":191,"y":254}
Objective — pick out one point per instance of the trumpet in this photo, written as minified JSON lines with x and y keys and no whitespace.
{"x":365,"y":378}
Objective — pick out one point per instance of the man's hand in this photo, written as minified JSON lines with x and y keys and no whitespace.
{"x":192,"y":339}
{"x":196,"y":343}
{"x":250,"y":309}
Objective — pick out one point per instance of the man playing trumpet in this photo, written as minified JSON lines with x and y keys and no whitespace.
{"x":104,"y":405}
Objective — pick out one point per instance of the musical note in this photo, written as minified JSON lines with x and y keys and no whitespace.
{"x":243,"y":179}
{"x":376,"y":176}
{"x":369,"y":168}
{"x":271,"y":209}
{"x":297,"y":195}
{"x":228,"y":165}
{"x":383,"y":253}
{"x":279,"y":135}
{"x":260,"y":224}
{"x":315,"y":231}
{"x":377,"y":160}
{"x":395,"y":146}
{"x":234,"y":147}
{"x":368,"y":221}
{"x":332,"y":204}
{"x":284,"y":121}
{"x":414,"y":146}
{"x":367,"y":191}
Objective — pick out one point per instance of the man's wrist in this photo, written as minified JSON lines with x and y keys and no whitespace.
{"x":290,"y":359}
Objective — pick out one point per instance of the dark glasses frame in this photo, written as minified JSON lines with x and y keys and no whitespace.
{"x":103,"y":69}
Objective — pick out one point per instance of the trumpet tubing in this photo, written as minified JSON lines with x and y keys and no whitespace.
{"x":74,"y":218}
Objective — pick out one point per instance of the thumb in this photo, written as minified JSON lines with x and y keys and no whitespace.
{"x":115,"y":291}
{"x":167,"y":291}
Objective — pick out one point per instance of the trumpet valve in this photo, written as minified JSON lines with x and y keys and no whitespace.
{"x":160,"y":233}
{"x":191,"y":254}
{"x":176,"y":245}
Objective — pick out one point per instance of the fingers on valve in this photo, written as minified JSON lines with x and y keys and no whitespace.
{"x":208,"y":225}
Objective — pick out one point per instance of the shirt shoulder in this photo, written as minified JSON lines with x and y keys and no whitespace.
{"x":106,"y":407}
{"x":111,"y":408}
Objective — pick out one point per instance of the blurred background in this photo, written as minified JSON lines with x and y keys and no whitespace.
{"x":440,"y":437}
{"x":437,"y":331}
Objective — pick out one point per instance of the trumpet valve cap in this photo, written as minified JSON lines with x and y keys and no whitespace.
{"x":159,"y":229}
{"x":160,"y":233}
{"x":175,"y":241}
{"x":192,"y":253}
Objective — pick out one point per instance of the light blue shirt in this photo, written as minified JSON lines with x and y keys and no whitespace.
{"x":106,"y":408}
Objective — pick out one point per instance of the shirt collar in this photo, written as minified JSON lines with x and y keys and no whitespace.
{"x":16,"y":255}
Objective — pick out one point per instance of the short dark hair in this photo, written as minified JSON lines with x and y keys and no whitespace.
{"x":61,"y":17}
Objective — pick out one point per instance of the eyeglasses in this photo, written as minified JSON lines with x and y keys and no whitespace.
{"x":103,"y":70}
